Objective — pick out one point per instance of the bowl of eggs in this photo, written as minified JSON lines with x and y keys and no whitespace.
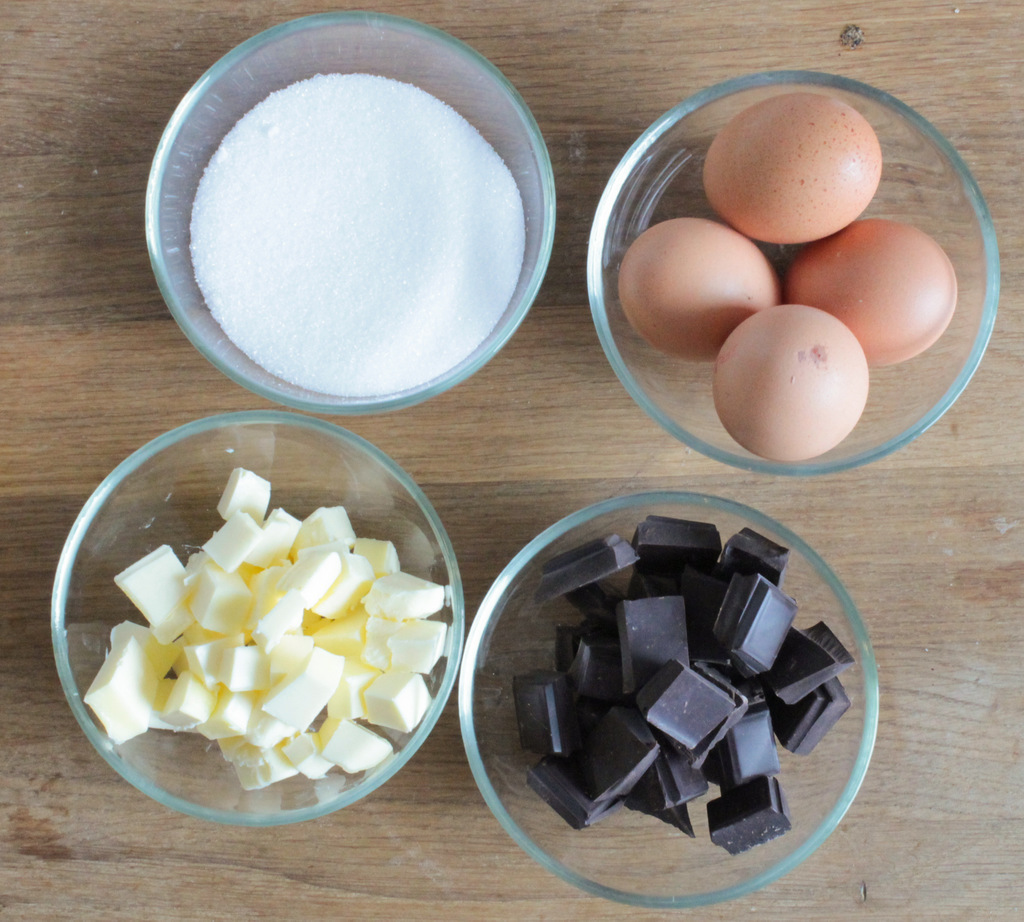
{"x":793,"y":273}
{"x":350,"y":212}
{"x":638,"y":730}
{"x":257,"y":618}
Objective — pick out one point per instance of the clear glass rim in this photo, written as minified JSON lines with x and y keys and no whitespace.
{"x":595,"y":279}
{"x":482,"y":624}
{"x":325,"y":403}
{"x":66,"y":564}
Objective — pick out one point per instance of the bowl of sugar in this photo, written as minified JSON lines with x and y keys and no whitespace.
{"x":350,"y":212}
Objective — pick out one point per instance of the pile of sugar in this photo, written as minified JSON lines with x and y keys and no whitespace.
{"x":356,"y":236}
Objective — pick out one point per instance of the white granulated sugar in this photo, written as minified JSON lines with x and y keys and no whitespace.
{"x":356,"y":236}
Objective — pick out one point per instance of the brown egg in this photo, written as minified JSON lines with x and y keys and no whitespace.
{"x":793,"y":167}
{"x":889,"y":282}
{"x":685,"y":284}
{"x":790,"y":383}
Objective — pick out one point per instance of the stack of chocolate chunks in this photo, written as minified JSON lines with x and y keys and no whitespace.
{"x":681,"y":672}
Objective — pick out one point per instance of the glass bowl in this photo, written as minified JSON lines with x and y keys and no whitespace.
{"x":339,"y":43}
{"x":167,"y":493}
{"x":924,"y":182}
{"x":631,"y":857}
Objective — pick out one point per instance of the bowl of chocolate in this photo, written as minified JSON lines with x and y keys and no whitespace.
{"x":668,"y":699}
{"x":793,"y":272}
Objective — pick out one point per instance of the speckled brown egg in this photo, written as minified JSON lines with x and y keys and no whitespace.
{"x":889,"y":282}
{"x":792,"y":168}
{"x":790,"y":383}
{"x":684,"y":285}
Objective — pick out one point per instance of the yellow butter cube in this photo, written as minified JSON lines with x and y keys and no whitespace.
{"x":353,"y":582}
{"x":397,"y":700}
{"x":382,"y":554}
{"x":247,"y":492}
{"x":275,"y":544}
{"x":155,"y":584}
{"x":353,"y":747}
{"x":123,"y":691}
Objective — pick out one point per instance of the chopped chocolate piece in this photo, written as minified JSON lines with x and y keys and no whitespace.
{"x":583,"y":565}
{"x":753,"y":622}
{"x":748,"y":749}
{"x":651,"y":631}
{"x":747,"y":553}
{"x":677,"y":816}
{"x":560,"y":783}
{"x":700,"y":752}
{"x":546,"y":712}
{"x":801,"y":726}
{"x":616,"y":753}
{"x":595,"y":601}
{"x":589,"y":712}
{"x":806,"y":660}
{"x":670,"y":781}
{"x":748,"y":815}
{"x":683,"y":704}
{"x":596,"y":669}
{"x":703,"y":595}
{"x":665,"y":545}
{"x":643,"y":585}
{"x":567,"y":641}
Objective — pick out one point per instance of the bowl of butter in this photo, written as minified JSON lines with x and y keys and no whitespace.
{"x":257,"y":618}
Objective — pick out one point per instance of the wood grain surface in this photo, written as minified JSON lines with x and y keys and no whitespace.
{"x":929,"y":542}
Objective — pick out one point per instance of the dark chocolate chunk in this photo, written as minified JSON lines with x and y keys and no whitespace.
{"x":751,"y":814}
{"x":700,"y":752}
{"x":643,"y":585}
{"x":748,"y":552}
{"x":560,"y":783}
{"x":683,"y":704}
{"x":616,"y":753}
{"x":806,"y":659}
{"x":665,"y":545}
{"x":567,"y":641}
{"x":586,"y":564}
{"x":546,"y":712}
{"x":595,"y":601}
{"x":651,"y":631}
{"x":748,"y":749}
{"x":669,"y":782}
{"x":589,"y":712}
{"x":678,"y":816}
{"x":801,"y":726}
{"x":753,"y":622}
{"x":596,"y":669}
{"x":703,"y":595}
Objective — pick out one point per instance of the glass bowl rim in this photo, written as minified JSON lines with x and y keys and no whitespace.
{"x":68,"y":558}
{"x":609,"y":199}
{"x":482,"y":624}
{"x":325,"y":404}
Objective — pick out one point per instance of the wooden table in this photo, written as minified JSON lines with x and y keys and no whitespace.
{"x":930,"y":541}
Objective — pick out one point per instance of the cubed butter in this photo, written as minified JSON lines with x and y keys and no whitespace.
{"x":204,"y":659}
{"x":161,"y":655}
{"x":265,"y":731}
{"x":402,"y":595}
{"x":353,"y":582}
{"x":347,"y":701}
{"x":230,"y":716}
{"x":397,"y":700}
{"x":155,"y":584}
{"x":345,"y":636}
{"x":312,"y":575}
{"x":189,"y":703}
{"x":376,"y":651}
{"x":290,"y":654}
{"x":265,"y":592}
{"x":275,"y":544}
{"x":123,"y":691}
{"x":417,"y":645}
{"x":382,"y":554}
{"x":304,"y":753}
{"x":230,"y":544}
{"x":284,"y":617}
{"x":352,"y":746}
{"x":244,"y":668}
{"x":298,"y":697}
{"x":326,"y":524}
{"x":221,"y":600}
{"x":245,"y":492}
